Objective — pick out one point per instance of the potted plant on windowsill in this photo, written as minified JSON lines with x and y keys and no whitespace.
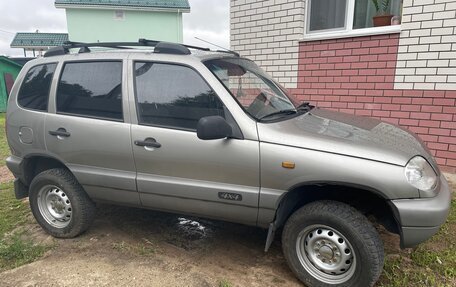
{"x":383,"y":18}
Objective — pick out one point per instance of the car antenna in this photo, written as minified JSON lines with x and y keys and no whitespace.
{"x":224,"y":49}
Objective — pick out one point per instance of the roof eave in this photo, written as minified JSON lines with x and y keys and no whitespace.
{"x":122,"y":7}
{"x":32,"y":47}
{"x":10,"y":61}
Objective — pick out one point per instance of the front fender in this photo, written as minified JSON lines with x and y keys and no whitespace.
{"x":313,"y":166}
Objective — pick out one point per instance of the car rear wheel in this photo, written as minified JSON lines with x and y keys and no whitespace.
{"x":59,"y":203}
{"x":328,"y":243}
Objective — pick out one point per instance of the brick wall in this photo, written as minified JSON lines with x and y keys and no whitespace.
{"x":427,"y":47}
{"x":268,"y":32}
{"x":407,"y":79}
{"x":356,"y":75}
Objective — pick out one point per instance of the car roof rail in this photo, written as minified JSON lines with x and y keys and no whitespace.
{"x":170,"y":48}
{"x":56,"y":51}
{"x":159,"y":47}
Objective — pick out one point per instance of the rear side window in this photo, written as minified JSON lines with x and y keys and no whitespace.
{"x":173,"y":96}
{"x":91,"y":89}
{"x":34,"y":92}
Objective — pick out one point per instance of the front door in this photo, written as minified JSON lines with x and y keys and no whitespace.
{"x":176,"y":171}
{"x":88,"y":131}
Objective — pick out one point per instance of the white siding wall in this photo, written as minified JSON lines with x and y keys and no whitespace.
{"x":427,"y":47}
{"x":268,"y":32}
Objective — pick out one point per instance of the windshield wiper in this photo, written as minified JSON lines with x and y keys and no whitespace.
{"x":282,"y":112}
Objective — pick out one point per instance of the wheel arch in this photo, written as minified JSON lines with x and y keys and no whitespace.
{"x":367,"y":200}
{"x":34,"y":164}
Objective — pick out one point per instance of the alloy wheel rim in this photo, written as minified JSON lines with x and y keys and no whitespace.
{"x":55,"y":206}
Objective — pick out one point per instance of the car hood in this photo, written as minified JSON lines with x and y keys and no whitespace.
{"x":345,"y":134}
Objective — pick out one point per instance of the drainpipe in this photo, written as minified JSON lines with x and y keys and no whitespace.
{"x":179,"y":25}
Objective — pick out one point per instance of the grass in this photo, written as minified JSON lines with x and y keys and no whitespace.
{"x":13,"y":212}
{"x":430,"y":264}
{"x":15,"y":248}
{"x":225,"y":283}
{"x":17,"y":251}
{"x":4,"y":149}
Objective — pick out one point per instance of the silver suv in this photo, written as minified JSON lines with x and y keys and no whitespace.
{"x":186,"y":130}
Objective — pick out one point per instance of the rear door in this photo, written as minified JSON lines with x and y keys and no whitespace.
{"x":178,"y":171}
{"x":88,"y":129}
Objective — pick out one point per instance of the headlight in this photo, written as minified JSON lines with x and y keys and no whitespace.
{"x":420,"y":174}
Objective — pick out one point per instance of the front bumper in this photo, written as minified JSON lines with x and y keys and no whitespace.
{"x":421,"y":218}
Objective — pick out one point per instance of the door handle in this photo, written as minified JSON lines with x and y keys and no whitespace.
{"x":61,"y":132}
{"x":149,"y":142}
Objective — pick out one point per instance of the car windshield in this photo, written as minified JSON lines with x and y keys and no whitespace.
{"x":260,"y":96}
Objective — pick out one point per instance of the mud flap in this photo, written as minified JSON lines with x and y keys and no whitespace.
{"x":20,"y":190}
{"x":270,"y":238}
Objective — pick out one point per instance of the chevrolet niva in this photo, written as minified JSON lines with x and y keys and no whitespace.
{"x":207,"y":133}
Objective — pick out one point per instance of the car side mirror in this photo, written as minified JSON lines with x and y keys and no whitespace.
{"x":213,"y":128}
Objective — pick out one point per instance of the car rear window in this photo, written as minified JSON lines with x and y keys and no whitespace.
{"x":34,"y":92}
{"x":91,"y":89}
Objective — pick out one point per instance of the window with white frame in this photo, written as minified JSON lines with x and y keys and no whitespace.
{"x":338,"y":17}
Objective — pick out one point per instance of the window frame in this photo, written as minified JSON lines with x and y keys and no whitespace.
{"x":348,"y":31}
{"x":332,"y":30}
{"x":88,"y":116}
{"x":48,"y":92}
{"x":135,"y":93}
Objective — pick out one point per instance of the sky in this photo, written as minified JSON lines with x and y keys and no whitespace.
{"x":208,"y":20}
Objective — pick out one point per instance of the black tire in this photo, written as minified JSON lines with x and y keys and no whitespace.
{"x":348,"y":222}
{"x":82,"y":207}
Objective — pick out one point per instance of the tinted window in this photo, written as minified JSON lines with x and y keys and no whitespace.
{"x":91,"y":89}
{"x":34,"y":92}
{"x":173,"y":96}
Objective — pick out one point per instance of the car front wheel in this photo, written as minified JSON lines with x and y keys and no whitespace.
{"x":328,"y":243}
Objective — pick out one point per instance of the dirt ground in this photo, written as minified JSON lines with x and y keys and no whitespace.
{"x":5,"y":175}
{"x":132,"y":247}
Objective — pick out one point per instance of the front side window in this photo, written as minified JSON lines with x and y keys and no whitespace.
{"x":91,"y":89}
{"x":173,"y":96}
{"x":255,"y":91}
{"x":326,"y":16}
{"x":34,"y":92}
